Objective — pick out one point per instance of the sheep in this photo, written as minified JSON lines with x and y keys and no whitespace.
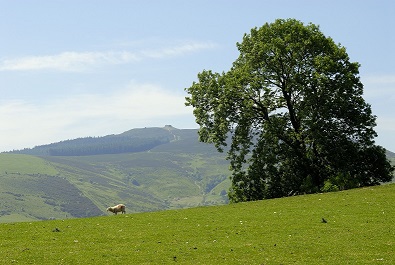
{"x":117,"y":208}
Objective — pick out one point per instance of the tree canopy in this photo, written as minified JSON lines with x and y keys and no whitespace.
{"x":292,"y":111}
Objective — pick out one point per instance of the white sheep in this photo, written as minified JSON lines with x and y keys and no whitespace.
{"x":117,"y":208}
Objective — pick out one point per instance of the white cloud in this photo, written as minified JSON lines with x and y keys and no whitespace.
{"x":386,"y":131}
{"x":66,"y":61}
{"x":177,"y":50}
{"x":380,"y":79}
{"x":26,"y":124}
{"x":80,"y":61}
{"x":379,"y":92}
{"x":387,"y":124}
{"x":379,"y":86}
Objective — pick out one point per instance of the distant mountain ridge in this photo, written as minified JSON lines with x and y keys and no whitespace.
{"x":390,"y":154}
{"x":131,"y":141}
{"x":134,"y":140}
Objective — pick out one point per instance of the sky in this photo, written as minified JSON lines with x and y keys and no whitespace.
{"x":75,"y":68}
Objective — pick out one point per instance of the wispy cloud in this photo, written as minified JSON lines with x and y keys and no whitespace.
{"x":137,"y":105}
{"x":379,"y":86}
{"x":177,"y":50}
{"x":67,"y":61}
{"x":379,"y":92}
{"x":80,"y":61}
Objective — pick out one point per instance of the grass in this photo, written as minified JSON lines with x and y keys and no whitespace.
{"x":359,"y":229}
{"x":146,"y":181}
{"x":17,"y":164}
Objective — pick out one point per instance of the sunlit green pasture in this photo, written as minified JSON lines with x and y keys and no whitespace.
{"x":349,"y":227}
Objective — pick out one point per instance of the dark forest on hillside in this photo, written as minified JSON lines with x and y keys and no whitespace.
{"x":135,"y":140}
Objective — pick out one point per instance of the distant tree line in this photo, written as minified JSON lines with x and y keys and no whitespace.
{"x":111,"y":144}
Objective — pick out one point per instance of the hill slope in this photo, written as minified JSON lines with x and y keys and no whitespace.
{"x":31,"y":189}
{"x":157,"y":169}
{"x":179,"y":173}
{"x":349,"y":227}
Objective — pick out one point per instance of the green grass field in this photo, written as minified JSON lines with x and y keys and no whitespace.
{"x":41,"y":188}
{"x":348,"y":227}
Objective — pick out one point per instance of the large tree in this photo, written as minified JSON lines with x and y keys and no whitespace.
{"x":292,"y":109}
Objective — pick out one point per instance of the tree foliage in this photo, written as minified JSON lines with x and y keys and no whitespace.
{"x":293,"y":109}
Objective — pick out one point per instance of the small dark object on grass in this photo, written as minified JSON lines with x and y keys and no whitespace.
{"x":56,"y":230}
{"x":324,"y":221}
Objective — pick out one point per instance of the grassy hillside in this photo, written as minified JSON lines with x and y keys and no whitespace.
{"x":390,"y":154}
{"x":178,"y":174}
{"x":31,"y":189}
{"x":349,"y":227}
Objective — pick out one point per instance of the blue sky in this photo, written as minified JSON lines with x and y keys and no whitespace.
{"x":72,"y":68}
